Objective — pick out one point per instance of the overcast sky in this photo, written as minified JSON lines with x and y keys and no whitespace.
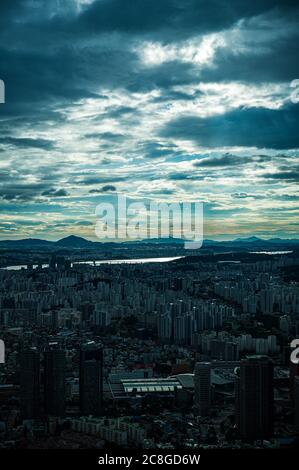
{"x":172,"y":100}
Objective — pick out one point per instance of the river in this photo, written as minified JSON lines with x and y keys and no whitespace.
{"x":105,"y":261}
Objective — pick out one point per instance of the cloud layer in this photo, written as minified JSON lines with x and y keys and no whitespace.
{"x":180,"y":100}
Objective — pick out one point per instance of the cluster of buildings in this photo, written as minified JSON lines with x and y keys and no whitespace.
{"x":149,"y":355}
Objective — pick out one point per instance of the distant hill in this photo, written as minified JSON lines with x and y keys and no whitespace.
{"x":73,"y":242}
{"x":260,"y":242}
{"x":249,"y":240}
{"x":26,"y":243}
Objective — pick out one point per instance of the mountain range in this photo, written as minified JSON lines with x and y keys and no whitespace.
{"x":75,"y":242}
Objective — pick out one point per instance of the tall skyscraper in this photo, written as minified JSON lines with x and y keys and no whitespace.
{"x":202,"y":387}
{"x":54,"y":380}
{"x":91,"y":379}
{"x":29,"y":383}
{"x":237,"y":397}
{"x":255,"y":398}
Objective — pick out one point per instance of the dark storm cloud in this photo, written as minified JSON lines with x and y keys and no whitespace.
{"x":179,"y":176}
{"x":105,"y":136}
{"x":9,"y":10}
{"x":55,"y":193}
{"x":84,"y":223}
{"x":242,"y":195}
{"x":172,"y":17}
{"x":163,"y":76}
{"x":229,"y":160}
{"x":24,"y":143}
{"x":108,"y":188}
{"x":4,"y":176}
{"x":288,"y":174}
{"x":192,"y":176}
{"x":224,"y":160}
{"x":251,"y":127}
{"x":45,"y":77}
{"x":22,"y":192}
{"x":278,"y":61}
{"x":157,"y":150}
{"x":59,"y":58}
{"x":116,"y":112}
{"x":171,"y":95}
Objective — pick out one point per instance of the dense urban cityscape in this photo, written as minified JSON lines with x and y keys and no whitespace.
{"x":149,"y":243}
{"x":190,"y":352}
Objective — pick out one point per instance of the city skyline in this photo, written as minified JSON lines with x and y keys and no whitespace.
{"x":195,"y":353}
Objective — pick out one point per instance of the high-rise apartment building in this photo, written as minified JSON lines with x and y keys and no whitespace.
{"x":29,"y":383}
{"x":202,"y":388}
{"x":54,"y":380}
{"x":91,"y":379}
{"x":255,"y":398}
